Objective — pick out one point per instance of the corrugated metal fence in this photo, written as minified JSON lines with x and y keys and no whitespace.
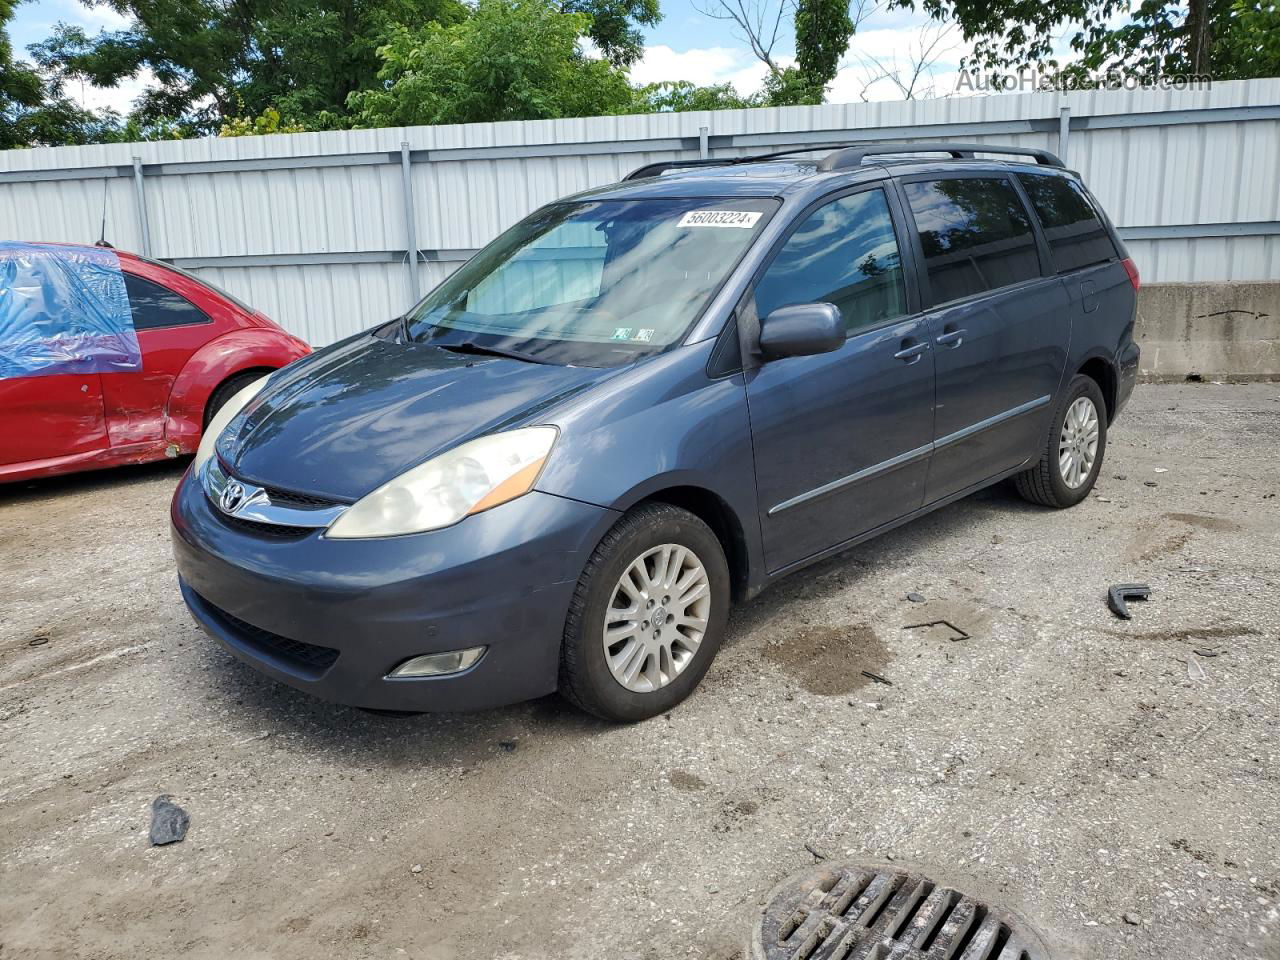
{"x":315,"y":229}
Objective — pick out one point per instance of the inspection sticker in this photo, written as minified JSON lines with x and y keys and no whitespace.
{"x":746,"y":219}
{"x":621,"y":333}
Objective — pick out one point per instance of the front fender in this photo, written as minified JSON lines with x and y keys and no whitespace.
{"x":662,"y":425}
{"x":249,"y":348}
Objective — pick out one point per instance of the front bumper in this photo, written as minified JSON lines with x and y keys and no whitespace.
{"x":334,"y":617}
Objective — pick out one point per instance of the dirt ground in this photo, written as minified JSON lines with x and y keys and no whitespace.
{"x":1117,"y":783}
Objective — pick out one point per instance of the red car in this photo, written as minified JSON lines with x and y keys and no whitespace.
{"x":190,"y":347}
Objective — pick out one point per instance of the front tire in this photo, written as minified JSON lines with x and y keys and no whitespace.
{"x":1073,"y":452}
{"x":647,"y":617}
{"x":227,"y":389}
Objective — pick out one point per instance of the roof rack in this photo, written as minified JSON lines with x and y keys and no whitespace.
{"x":853,"y":156}
{"x":662,"y":166}
{"x":848,"y":156}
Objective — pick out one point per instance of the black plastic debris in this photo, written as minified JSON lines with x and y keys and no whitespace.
{"x":1121,"y":592}
{"x":877,"y":678}
{"x":168,"y":821}
{"x":37,"y":641}
{"x":916,"y":597}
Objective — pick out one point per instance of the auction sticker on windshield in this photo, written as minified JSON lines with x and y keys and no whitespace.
{"x":746,"y":219}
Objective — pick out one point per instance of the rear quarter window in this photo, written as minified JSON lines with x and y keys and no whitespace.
{"x":1072,"y":227}
{"x":155,"y":307}
{"x":975,"y":235}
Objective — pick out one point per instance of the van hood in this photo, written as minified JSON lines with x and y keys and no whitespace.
{"x":347,"y":419}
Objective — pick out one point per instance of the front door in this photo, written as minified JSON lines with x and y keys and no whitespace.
{"x":841,"y":439}
{"x":50,"y":417}
{"x":1001,"y":327}
{"x":170,"y":329}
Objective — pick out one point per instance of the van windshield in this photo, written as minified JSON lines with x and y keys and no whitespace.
{"x":597,"y":283}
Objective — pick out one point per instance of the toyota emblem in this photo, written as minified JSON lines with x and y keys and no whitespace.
{"x":233,"y":496}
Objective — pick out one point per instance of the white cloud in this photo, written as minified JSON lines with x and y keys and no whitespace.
{"x":701,"y":66}
{"x":119,"y":98}
{"x":898,"y":51}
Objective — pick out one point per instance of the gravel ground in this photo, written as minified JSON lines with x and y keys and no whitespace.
{"x":1060,"y":761}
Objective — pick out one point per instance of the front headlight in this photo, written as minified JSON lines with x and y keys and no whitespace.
{"x":220,"y":420}
{"x":467,"y":479}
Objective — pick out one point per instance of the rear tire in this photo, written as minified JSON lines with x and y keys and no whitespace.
{"x":628,"y":668}
{"x":227,"y":389}
{"x":1073,"y":451}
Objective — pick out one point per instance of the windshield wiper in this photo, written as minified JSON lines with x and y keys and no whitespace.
{"x":479,"y":349}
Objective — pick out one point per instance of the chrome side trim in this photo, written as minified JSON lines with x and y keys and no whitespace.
{"x":257,"y":505}
{"x":986,"y":424}
{"x":900,"y":460}
{"x":910,"y":456}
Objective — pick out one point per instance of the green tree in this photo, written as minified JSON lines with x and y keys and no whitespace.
{"x":33,"y":108}
{"x":615,"y":25}
{"x":511,"y":60}
{"x":215,"y":60}
{"x":679,"y":96}
{"x":1225,"y":39}
{"x":264,"y":124}
{"x":823,"y":29}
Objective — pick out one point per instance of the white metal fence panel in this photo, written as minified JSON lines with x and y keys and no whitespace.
{"x":313,"y":228}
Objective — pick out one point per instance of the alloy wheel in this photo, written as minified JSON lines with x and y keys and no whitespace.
{"x":1078,"y":442}
{"x":656,"y":618}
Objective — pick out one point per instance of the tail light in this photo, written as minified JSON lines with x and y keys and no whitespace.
{"x":1132,"y":270}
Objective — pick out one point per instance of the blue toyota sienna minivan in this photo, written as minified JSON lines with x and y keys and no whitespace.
{"x":650,"y":400}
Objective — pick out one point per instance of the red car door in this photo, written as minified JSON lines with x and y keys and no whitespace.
{"x":170,"y":329}
{"x":49,"y":418}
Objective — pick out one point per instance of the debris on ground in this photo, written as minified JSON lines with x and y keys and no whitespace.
{"x":1132,"y":919}
{"x":817,"y":855}
{"x":1194,"y":670}
{"x":416,"y":868}
{"x":37,"y":641}
{"x":877,"y":678}
{"x":168,"y":821}
{"x":1120,"y":592}
{"x":1206,"y":653}
{"x":957,"y":633}
{"x":916,"y":597}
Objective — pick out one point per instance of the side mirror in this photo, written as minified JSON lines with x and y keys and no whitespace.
{"x":801,"y":330}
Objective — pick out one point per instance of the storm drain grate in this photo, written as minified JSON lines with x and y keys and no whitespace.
{"x":847,"y":912}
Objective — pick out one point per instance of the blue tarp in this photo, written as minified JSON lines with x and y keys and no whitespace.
{"x":64,"y":310}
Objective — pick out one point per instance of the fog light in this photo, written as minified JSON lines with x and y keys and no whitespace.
{"x":438,"y":664}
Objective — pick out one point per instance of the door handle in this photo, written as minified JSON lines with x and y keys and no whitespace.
{"x":912,"y":352}
{"x":951,"y":338}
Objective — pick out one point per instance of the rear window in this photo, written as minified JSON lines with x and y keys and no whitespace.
{"x":975,"y":234}
{"x":1072,"y":227}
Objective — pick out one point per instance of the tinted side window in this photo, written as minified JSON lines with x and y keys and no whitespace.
{"x":1076,"y":236}
{"x":844,"y":253}
{"x":975,"y":233}
{"x":156,"y":306}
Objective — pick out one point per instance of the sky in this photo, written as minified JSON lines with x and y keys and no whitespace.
{"x":686,"y":45}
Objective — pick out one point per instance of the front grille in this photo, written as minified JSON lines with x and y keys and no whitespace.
{"x":306,"y":658}
{"x":287,"y":498}
{"x":274,"y":530}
